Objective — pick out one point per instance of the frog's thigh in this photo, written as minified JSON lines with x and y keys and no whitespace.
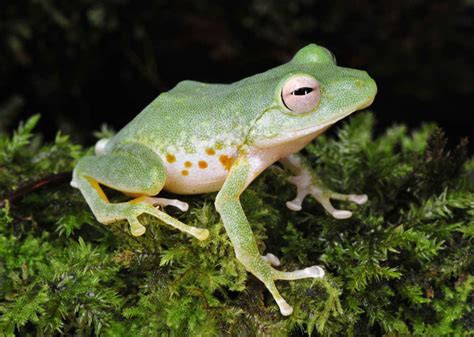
{"x":133,"y":169}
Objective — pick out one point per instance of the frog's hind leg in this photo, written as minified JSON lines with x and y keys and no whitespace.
{"x":133,"y":169}
{"x":308,"y":184}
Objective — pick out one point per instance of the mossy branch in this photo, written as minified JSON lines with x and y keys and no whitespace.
{"x":402,"y":265}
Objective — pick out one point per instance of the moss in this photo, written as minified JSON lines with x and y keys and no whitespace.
{"x":402,"y":265}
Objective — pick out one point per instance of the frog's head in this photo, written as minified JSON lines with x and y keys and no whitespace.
{"x":310,"y":93}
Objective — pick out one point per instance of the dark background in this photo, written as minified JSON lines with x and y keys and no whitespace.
{"x":83,"y":63}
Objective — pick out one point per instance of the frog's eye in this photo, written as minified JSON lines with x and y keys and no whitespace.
{"x":301,"y":93}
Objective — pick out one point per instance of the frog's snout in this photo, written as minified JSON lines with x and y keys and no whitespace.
{"x":368,"y":89}
{"x":362,"y":88}
{"x":361,"y":80}
{"x":366,"y":104}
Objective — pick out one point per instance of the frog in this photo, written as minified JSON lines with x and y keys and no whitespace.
{"x":202,"y":138}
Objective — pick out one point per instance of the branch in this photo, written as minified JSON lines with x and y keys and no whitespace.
{"x":28,"y":188}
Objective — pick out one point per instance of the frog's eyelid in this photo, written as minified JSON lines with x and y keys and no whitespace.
{"x":283,"y":100}
{"x":330,"y":53}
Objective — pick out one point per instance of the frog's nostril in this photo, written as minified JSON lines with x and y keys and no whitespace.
{"x":359,"y":84}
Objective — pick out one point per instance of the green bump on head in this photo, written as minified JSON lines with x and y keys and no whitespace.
{"x":313,"y":53}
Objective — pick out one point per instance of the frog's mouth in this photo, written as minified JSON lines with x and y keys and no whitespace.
{"x":315,"y":130}
{"x":366,"y":104}
{"x":306,"y":131}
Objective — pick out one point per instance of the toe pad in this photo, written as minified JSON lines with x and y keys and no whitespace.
{"x":359,"y":199}
{"x":285,"y":308}
{"x":293,"y":206}
{"x":315,"y":272}
{"x":271,"y":259}
{"x":200,"y":233}
{"x":340,"y":214}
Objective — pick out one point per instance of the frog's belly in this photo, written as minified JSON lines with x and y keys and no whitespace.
{"x":196,"y":173}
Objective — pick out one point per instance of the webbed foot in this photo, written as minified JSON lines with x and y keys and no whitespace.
{"x":133,"y":209}
{"x":265,"y":272}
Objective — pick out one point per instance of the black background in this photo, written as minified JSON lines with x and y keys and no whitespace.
{"x":83,"y":63}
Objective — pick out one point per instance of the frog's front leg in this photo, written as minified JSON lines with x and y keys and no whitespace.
{"x":308,"y":184}
{"x":135,"y":170}
{"x":243,"y":240}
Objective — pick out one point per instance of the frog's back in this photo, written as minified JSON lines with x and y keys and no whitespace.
{"x":189,"y":114}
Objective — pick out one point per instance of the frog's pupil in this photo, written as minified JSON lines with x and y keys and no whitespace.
{"x":302,"y":91}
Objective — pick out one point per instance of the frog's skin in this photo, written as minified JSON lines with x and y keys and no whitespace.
{"x":200,"y":138}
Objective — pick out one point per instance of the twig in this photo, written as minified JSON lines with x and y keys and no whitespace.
{"x":28,"y":188}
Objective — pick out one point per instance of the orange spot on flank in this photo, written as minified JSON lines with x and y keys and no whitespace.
{"x":170,"y":158}
{"x":184,"y":172}
{"x":210,"y":152}
{"x":226,"y":161}
{"x":188,"y":164}
{"x":202,"y":164}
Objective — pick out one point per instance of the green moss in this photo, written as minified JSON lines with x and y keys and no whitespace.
{"x":402,"y":265}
